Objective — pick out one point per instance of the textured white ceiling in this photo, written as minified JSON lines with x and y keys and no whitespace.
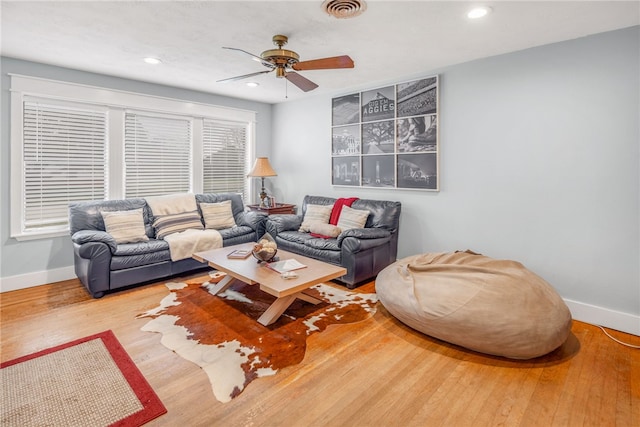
{"x":391,"y":40}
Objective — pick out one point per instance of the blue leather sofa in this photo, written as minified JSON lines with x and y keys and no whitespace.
{"x":102,"y":265}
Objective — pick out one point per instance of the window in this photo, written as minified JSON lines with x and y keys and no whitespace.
{"x":63,"y":160}
{"x":73,"y":142}
{"x":157,"y":155}
{"x":224,"y":157}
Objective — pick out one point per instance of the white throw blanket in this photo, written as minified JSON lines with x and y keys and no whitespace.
{"x":172,"y":204}
{"x":183,"y":244}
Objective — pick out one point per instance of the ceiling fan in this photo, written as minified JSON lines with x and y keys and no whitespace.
{"x":284,"y":61}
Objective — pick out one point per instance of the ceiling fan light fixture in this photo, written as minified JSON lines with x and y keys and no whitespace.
{"x":343,"y":9}
{"x":286,"y":62}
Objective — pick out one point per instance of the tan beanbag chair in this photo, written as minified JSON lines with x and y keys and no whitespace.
{"x":487,"y":305}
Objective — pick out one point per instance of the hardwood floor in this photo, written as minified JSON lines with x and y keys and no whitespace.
{"x":374,"y":373}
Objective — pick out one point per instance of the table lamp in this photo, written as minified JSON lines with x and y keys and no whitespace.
{"x":261,"y":169}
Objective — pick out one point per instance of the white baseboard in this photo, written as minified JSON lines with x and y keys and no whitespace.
{"x":595,"y":315}
{"x":37,"y":278}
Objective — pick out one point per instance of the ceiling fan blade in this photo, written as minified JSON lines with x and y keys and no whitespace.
{"x":302,"y":82}
{"x":343,"y":61}
{"x":233,"y":79}
{"x":254,"y":57}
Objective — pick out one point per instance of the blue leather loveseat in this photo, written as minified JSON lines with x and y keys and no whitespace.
{"x":364,"y":252}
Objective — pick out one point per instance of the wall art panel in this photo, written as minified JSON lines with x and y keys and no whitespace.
{"x":387,"y":137}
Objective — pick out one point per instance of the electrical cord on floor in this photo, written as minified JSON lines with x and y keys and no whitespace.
{"x":616,"y":340}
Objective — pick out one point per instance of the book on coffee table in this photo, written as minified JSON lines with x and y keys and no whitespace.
{"x":239,"y":254}
{"x":285,"y":265}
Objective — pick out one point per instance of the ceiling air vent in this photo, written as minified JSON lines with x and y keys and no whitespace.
{"x":344,"y":8}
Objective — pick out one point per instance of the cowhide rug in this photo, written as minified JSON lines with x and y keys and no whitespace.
{"x":220,"y":333}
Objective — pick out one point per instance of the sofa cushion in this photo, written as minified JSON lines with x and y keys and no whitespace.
{"x":332,"y":257}
{"x":315,"y":213}
{"x":322,"y":244}
{"x":132,"y":261}
{"x":240,"y":230}
{"x":169,"y":224}
{"x":352,"y":218}
{"x":125,"y":226}
{"x":382,"y":214}
{"x":88,"y":215}
{"x":217,"y":216}
{"x":172,"y":204}
{"x":237,"y":205}
{"x":295,"y":236}
{"x":152,"y":245}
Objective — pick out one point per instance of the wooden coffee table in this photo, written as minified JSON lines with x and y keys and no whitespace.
{"x":253,"y":273}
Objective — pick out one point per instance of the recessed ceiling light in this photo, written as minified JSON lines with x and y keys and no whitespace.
{"x":253,"y":84}
{"x":150,"y":60}
{"x":478,"y":12}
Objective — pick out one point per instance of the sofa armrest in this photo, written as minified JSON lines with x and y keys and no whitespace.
{"x":87,"y":236}
{"x":283,"y":222}
{"x":355,"y":245}
{"x":92,"y":262}
{"x":94,"y":250}
{"x":253,"y":219}
{"x":364,"y":234}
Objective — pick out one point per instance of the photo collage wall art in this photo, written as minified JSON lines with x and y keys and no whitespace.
{"x":387,"y":137}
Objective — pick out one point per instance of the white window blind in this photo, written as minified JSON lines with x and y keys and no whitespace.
{"x":64,"y":160}
{"x":157,"y":154}
{"x":225,"y":157}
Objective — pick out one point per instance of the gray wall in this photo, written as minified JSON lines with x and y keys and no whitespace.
{"x":20,"y":258}
{"x":539,"y":163}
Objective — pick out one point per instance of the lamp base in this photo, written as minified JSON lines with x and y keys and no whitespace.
{"x":263,"y":196}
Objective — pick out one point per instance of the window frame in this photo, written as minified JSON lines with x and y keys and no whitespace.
{"x":117,"y":102}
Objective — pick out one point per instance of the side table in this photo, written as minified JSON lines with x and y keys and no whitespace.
{"x":279,"y":208}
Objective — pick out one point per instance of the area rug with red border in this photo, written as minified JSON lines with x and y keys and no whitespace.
{"x":91,"y":381}
{"x":221,"y":334}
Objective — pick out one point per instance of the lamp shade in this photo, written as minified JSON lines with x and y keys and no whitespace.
{"x":262,"y":168}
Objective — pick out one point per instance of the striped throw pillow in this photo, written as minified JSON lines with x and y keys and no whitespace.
{"x":169,"y":224}
{"x":315,"y":213}
{"x":125,"y":226}
{"x":218,"y":216}
{"x":352,"y":218}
